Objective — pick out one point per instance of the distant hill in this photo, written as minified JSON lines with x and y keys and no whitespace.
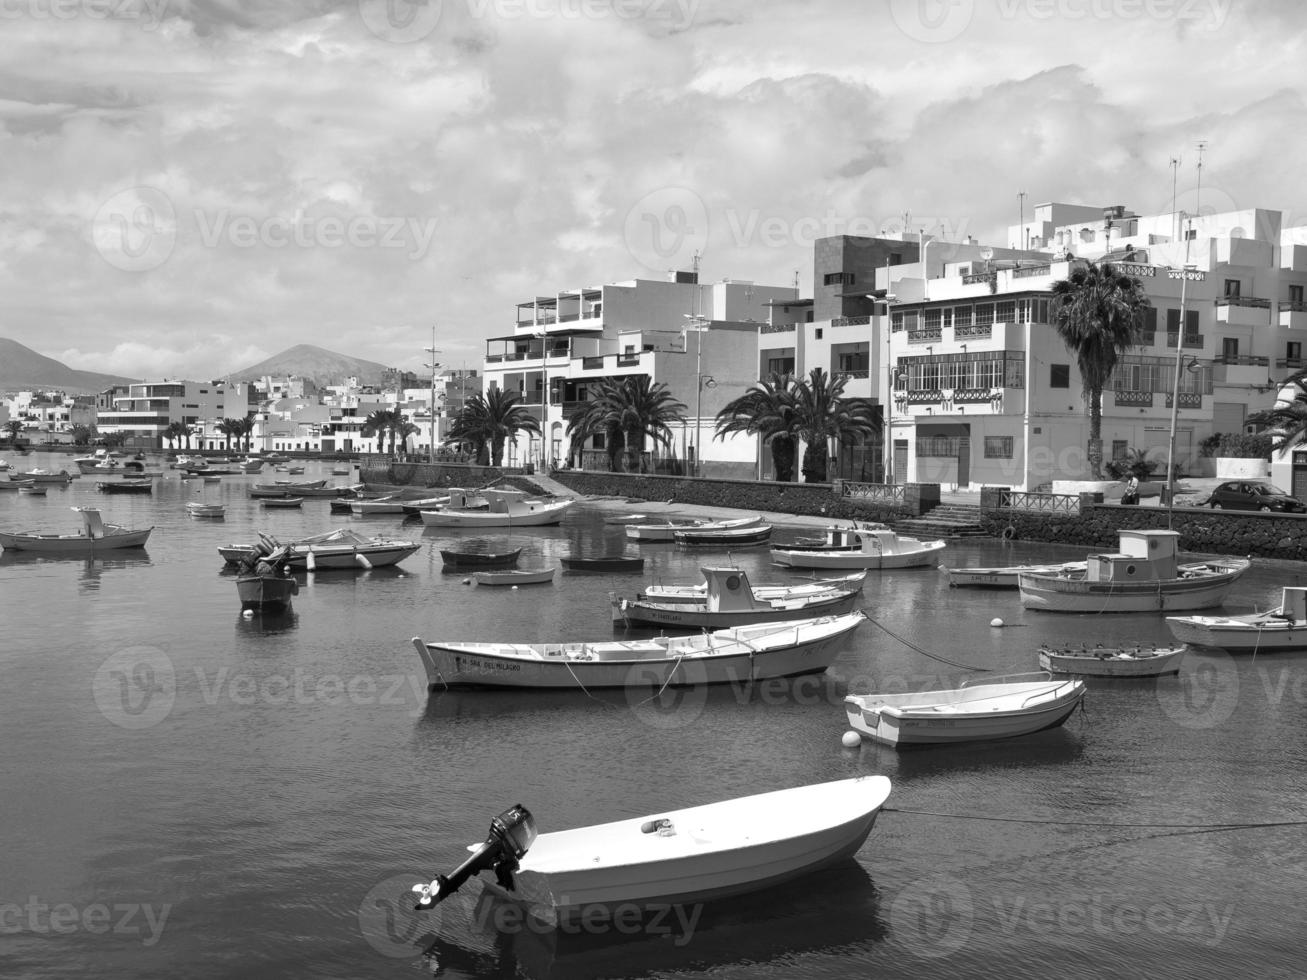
{"x":324,"y":367}
{"x":22,"y":369}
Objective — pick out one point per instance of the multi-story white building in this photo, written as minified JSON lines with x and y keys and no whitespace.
{"x":985,"y":391}
{"x":143,"y":411}
{"x":700,"y":339}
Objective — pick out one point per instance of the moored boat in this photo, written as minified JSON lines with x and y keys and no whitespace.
{"x":1100,"y":661}
{"x":286,"y":501}
{"x":663,"y":530}
{"x":696,"y":854}
{"x":96,"y":536}
{"x":266,"y":593}
{"x":125,"y":486}
{"x":1281,"y":628}
{"x":206,"y":510}
{"x":878,"y":548}
{"x":1144,"y":575}
{"x":722,"y":537}
{"x":685,"y":592}
{"x":1006,"y":576}
{"x":507,"y":508}
{"x":32,"y":489}
{"x":603,"y":563}
{"x":338,"y":549}
{"x":479,"y":559}
{"x":39,"y":475}
{"x":742,"y":653}
{"x":515,"y":576}
{"x":997,"y":708}
{"x":729,"y":600}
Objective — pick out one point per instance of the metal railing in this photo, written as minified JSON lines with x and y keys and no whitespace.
{"x":1039,"y":503}
{"x":1256,"y":302}
{"x":850,"y":321}
{"x":880,"y":492}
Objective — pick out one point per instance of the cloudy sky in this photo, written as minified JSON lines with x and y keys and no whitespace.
{"x":189,"y":186}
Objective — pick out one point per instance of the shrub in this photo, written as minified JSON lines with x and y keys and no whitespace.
{"x":1209,"y":446}
{"x":1135,"y":462}
{"x":1237,"y":445}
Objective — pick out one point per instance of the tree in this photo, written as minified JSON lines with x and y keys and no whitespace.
{"x":245,"y":429}
{"x":766,"y":410}
{"x":15,"y":428}
{"x":113,"y":439}
{"x":175,"y":431}
{"x":230,"y":428}
{"x":822,"y":414}
{"x":627,"y":411}
{"x":1099,"y":314}
{"x":1286,"y":421}
{"x":405,"y":430}
{"x":83,"y":435}
{"x":490,"y":420}
{"x":591,"y":420}
{"x":378,"y":424}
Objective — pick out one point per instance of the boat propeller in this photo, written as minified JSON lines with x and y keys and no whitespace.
{"x":511,"y":834}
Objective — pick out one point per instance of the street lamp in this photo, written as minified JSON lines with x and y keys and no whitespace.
{"x":888,"y":299}
{"x":701,"y":381}
{"x":431,"y":456}
{"x":1186,"y":272}
{"x":544,"y":399}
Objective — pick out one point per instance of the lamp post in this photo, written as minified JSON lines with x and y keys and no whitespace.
{"x":701,"y":381}
{"x":544,"y":399}
{"x":1186,"y":272}
{"x":431,"y":407}
{"x":888,"y":299}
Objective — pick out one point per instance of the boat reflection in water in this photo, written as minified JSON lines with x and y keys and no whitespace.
{"x":837,"y":910}
{"x":268,"y":623}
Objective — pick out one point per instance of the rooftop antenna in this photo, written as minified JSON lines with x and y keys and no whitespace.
{"x":1021,"y":220}
{"x":1198,"y":202}
{"x":1175,"y":215}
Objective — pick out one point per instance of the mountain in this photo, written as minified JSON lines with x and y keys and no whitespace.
{"x":22,"y":369}
{"x":324,"y":367}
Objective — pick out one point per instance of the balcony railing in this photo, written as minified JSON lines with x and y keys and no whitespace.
{"x":923,"y":396}
{"x":979,"y":277}
{"x":925,"y":336}
{"x":850,"y":321}
{"x":1031,"y":270}
{"x":1250,"y":360}
{"x":853,"y":374}
{"x":777,"y":327}
{"x":969,"y":396}
{"x":1256,"y":302}
{"x":1293,"y":306}
{"x":1291,"y":362}
{"x":592,"y":363}
{"x":1135,"y":399}
{"x":1188,"y":399}
{"x":981,"y":330}
{"x":1040,"y":503}
{"x":1147,"y":338}
{"x":1191,"y":340}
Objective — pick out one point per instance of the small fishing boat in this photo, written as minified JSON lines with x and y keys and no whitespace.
{"x":1007,"y":576}
{"x":1281,"y":628}
{"x":32,"y":489}
{"x":663,"y":530}
{"x":250,"y":465}
{"x":507,"y":508}
{"x":17,"y":484}
{"x":479,"y":559}
{"x":286,"y":501}
{"x":95,"y":537}
{"x":412,"y":507}
{"x":700,"y":853}
{"x":298,"y":486}
{"x":206,"y":510}
{"x":835,"y":537}
{"x":125,"y":486}
{"x":1144,"y":575}
{"x":790,"y":590}
{"x":266,"y":593}
{"x":340,"y":471}
{"x":878,"y":548}
{"x":723,"y":537}
{"x":1100,"y":661}
{"x":39,"y":475}
{"x":338,"y":549}
{"x":603,"y":563}
{"x":390,"y":504}
{"x":1002,"y":707}
{"x":515,"y":576}
{"x":759,"y":651}
{"x":729,"y":600}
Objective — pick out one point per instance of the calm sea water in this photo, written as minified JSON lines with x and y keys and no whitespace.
{"x":187,"y":792}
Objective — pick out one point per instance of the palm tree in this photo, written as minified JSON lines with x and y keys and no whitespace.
{"x":496,"y":417}
{"x":1099,"y":314}
{"x":629,"y":410}
{"x":405,"y":430}
{"x":175,"y":431}
{"x":595,"y":419}
{"x":1286,"y":420}
{"x":377,"y":424}
{"x":822,"y":414}
{"x":766,"y":410}
{"x":245,"y":429}
{"x":469,"y":426}
{"x":83,"y":435}
{"x":230,"y":428}
{"x":15,"y":428}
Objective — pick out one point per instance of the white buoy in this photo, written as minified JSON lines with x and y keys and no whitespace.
{"x":467,"y":581}
{"x":247,"y":614}
{"x":851,"y":739}
{"x":513,"y":589}
{"x":996,"y":621}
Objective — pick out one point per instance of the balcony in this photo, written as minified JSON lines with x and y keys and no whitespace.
{"x":980,"y":278}
{"x":1292,"y":363}
{"x":920,"y":396}
{"x":850,"y":321}
{"x":852,"y":375}
{"x":1188,"y":399}
{"x":973,"y":331}
{"x":927,"y":336}
{"x":777,"y":327}
{"x":1293,"y":314}
{"x":1246,"y":360}
{"x":1244,"y":311}
{"x":1026,"y":271}
{"x":1192,"y":341}
{"x":1134,"y":399}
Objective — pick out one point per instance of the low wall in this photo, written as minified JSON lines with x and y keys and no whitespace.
{"x":1201,"y":530}
{"x":467,"y":475}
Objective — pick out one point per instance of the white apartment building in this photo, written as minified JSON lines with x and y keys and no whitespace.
{"x":700,"y":339}
{"x":142,"y":412}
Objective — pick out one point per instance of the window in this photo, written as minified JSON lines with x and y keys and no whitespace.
{"x":895,"y":258}
{"x":838,"y":279}
{"x":984,"y":314}
{"x":962,"y":316}
{"x":1295,"y":294}
{"x":1190,"y":322}
{"x":1293,"y":350}
{"x":1191,"y":234}
{"x":1172,"y":321}
{"x":1232,"y":287}
{"x":946,"y":317}
{"x":1120,"y":448}
{"x":1150,"y":320}
{"x":817,"y":333}
{"x":998,"y":447}
{"x":930,"y":319}
{"x":896,"y":321}
{"x":1229,"y":349}
{"x":1059,"y":375}
{"x":1005,"y":312}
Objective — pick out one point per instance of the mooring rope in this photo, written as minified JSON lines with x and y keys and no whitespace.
{"x":926,"y":653}
{"x":1108,"y":825}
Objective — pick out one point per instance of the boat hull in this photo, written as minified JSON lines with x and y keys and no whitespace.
{"x":71,"y":544}
{"x":710,"y":852}
{"x":1053,"y":593}
{"x":661,"y":662}
{"x":328,"y":556}
{"x":480,"y":559}
{"x":998,"y":578}
{"x":525,"y":515}
{"x":927,"y":557}
{"x":927,"y":723}
{"x":697,"y":615}
{"x":263,"y":593}
{"x":1113,"y":663}
{"x":613,"y":564}
{"x":728,"y":538}
{"x":1239,"y":634}
{"x":515,"y":576}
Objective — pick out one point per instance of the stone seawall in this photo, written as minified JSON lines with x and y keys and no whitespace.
{"x":1201,"y":530}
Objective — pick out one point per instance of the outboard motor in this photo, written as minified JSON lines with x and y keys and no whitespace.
{"x":511,"y":834}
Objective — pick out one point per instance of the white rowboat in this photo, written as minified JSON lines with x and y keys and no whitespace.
{"x":1112,"y":661}
{"x":729,"y":600}
{"x":1282,"y":628}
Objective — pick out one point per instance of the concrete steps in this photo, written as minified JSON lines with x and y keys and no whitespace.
{"x":945,"y":521}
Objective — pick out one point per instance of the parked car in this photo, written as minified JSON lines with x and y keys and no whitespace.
{"x":1254,"y":495}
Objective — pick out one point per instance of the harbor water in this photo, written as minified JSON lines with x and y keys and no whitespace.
{"x":190,"y":792}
